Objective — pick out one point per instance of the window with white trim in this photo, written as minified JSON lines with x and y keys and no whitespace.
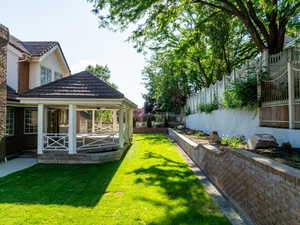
{"x":57,"y":76}
{"x":30,"y":119}
{"x":10,"y":122}
{"x":46,"y":75}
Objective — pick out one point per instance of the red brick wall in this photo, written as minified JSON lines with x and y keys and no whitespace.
{"x":266,"y":191}
{"x":150,"y":130}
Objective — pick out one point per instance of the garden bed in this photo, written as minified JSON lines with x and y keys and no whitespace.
{"x":290,"y":157}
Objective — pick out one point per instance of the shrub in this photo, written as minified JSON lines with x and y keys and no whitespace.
{"x":187,"y":111}
{"x":286,"y":146}
{"x":200,"y":134}
{"x":208,"y":108}
{"x":234,"y":142}
{"x":242,"y":94}
{"x":294,"y":158}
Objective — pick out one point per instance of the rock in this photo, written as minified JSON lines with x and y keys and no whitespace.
{"x":214,"y":138}
{"x":259,"y":141}
{"x":180,"y":127}
{"x":190,"y":132}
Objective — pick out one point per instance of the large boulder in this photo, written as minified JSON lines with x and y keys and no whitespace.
{"x":260,"y":141}
{"x":214,"y":138}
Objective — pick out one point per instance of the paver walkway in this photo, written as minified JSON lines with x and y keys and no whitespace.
{"x":15,"y":165}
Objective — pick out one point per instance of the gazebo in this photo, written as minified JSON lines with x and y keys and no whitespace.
{"x":67,"y":128}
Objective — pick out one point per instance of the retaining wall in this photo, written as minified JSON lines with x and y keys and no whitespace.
{"x":237,"y":122}
{"x":266,"y":191}
{"x":150,"y":130}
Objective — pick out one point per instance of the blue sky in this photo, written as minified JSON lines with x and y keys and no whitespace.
{"x":72,"y":24}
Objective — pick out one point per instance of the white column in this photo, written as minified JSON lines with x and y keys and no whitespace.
{"x":72,"y":129}
{"x":291,"y":89}
{"x":114,"y":120}
{"x":100,"y":122}
{"x":45,"y":128}
{"x":121,"y":128}
{"x":40,"y":129}
{"x":130,"y":123}
{"x":127,"y":126}
{"x":93,"y":121}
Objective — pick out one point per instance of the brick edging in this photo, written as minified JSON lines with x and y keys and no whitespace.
{"x":265,"y":190}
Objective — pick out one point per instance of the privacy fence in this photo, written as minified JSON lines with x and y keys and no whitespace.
{"x":278,"y":88}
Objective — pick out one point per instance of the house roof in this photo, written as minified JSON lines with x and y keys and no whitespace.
{"x":80,"y":85}
{"x":39,"y":48}
{"x":15,"y":42}
{"x":11,"y":94}
{"x":36,"y":48}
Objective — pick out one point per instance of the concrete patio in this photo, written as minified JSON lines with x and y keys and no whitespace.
{"x":15,"y":165}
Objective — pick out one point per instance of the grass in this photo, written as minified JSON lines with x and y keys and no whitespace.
{"x":150,"y":185}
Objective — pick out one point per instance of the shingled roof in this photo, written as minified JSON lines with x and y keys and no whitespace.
{"x":36,"y":48}
{"x":80,"y":85}
{"x":39,"y":48}
{"x":11,"y":94}
{"x":18,"y":44}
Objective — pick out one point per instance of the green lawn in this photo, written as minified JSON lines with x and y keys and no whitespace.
{"x":151,"y":185}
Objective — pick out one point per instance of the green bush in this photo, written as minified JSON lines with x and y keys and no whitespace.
{"x":187,"y":111}
{"x":234,"y":142}
{"x":208,"y":108}
{"x":200,"y":134}
{"x":286,"y":146}
{"x":294,"y":158}
{"x":242,"y":94}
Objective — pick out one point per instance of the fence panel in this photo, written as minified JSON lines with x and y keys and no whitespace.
{"x":275,"y":96}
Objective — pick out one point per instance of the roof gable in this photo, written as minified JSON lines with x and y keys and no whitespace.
{"x":80,"y":85}
{"x":39,"y":48}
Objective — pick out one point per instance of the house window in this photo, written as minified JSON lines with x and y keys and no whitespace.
{"x":45,"y":75}
{"x":57,"y":76}
{"x":30,"y":118}
{"x":10,"y":122}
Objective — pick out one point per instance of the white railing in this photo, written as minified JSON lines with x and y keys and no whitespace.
{"x":97,"y":140}
{"x":54,"y":141}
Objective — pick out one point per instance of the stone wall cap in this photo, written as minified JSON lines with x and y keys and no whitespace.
{"x":256,"y":157}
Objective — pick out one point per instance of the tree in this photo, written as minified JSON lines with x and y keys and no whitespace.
{"x":102,"y":72}
{"x":266,"y":21}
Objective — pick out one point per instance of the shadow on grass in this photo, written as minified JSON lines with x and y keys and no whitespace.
{"x":74,"y":185}
{"x":187,"y":201}
{"x":156,"y":139}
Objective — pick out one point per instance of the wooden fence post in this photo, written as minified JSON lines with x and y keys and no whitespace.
{"x":291,"y":91}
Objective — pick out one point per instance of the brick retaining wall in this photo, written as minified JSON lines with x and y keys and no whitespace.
{"x":4,"y":36}
{"x":150,"y":130}
{"x":63,"y":157}
{"x":268,"y":192}
{"x":79,"y":158}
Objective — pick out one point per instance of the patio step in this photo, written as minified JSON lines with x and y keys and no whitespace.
{"x":28,"y":154}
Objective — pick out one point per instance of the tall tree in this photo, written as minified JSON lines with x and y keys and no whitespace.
{"x":102,"y":72}
{"x":267,"y":21}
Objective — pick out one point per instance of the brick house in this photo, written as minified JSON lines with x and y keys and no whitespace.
{"x":52,"y":112}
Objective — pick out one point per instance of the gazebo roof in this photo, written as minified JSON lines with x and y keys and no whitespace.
{"x":80,"y":85}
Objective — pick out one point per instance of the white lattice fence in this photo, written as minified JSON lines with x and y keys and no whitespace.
{"x":216,"y":90}
{"x":279,"y":92}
